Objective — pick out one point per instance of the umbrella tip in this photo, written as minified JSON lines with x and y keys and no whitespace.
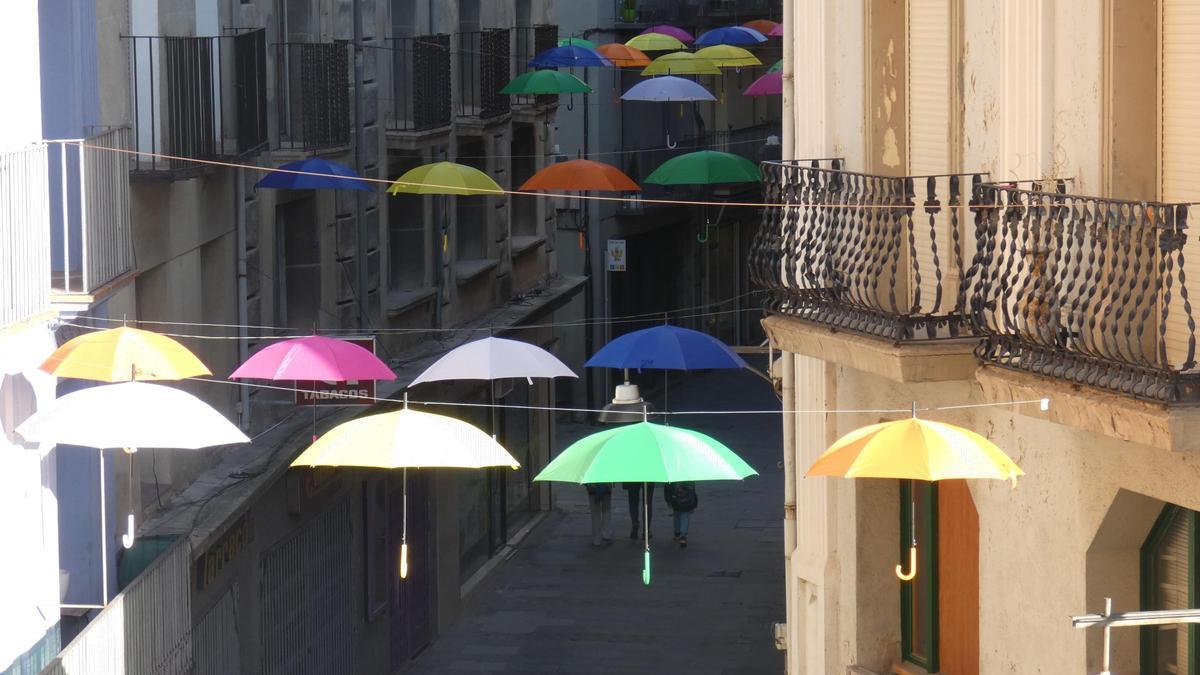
{"x":914,"y":409}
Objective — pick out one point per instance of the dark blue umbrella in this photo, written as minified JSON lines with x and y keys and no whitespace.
{"x":730,"y":35}
{"x":569,"y":56}
{"x":314,"y":165}
{"x":668,"y":348}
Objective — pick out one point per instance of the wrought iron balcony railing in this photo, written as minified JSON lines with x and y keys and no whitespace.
{"x":879,"y":255}
{"x":197,"y":98}
{"x":484,"y":67}
{"x":531,"y":41}
{"x":1090,"y":290}
{"x":312,"y":94}
{"x":420,"y":83}
{"x":24,"y":234}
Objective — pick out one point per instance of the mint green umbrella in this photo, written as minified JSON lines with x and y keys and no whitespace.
{"x":704,"y":167}
{"x":577,"y":42}
{"x":776,"y":67}
{"x":546,"y":82}
{"x":646,"y":453}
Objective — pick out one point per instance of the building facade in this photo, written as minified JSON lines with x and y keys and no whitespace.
{"x":987,"y":203}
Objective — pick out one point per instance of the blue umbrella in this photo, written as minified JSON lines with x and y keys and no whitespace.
{"x":569,"y":56}
{"x":667,"y":88}
{"x":667,"y":348}
{"x":314,"y":165}
{"x":730,"y":35}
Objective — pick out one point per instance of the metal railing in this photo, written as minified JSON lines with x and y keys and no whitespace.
{"x":91,"y":236}
{"x":420,"y":83}
{"x":879,"y":255}
{"x":197,"y":98}
{"x":312,"y":94}
{"x":24,"y":234}
{"x":1085,"y":289}
{"x":692,"y":14}
{"x":484,"y":67}
{"x":531,"y":41}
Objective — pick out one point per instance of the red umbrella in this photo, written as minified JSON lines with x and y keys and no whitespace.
{"x":764,"y":26}
{"x":770,"y":84}
{"x":580,"y":175}
{"x":624,"y":56}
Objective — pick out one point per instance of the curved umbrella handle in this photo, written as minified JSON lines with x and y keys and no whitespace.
{"x":127,"y":538}
{"x":671,"y":145}
{"x":912,"y":566}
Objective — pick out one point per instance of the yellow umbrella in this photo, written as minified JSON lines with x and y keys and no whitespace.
{"x":655,"y":42}
{"x":680,"y":63}
{"x":728,"y":56}
{"x":445,"y":178}
{"x":123,"y":354}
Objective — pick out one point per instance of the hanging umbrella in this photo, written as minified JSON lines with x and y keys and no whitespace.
{"x":576,"y":42}
{"x":122,"y":354}
{"x":666,"y":347}
{"x":681,"y":63}
{"x":494,"y":358}
{"x":704,"y":167}
{"x":546,"y":82}
{"x":445,"y":178}
{"x":569,"y":56}
{"x":333,"y":176}
{"x":646,"y":453}
{"x":655,"y":42}
{"x":728,"y":56}
{"x":730,"y":35}
{"x":314,"y":357}
{"x":580,"y":175}
{"x":624,"y":56}
{"x":667,"y":29}
{"x":770,"y":84}
{"x":776,"y":67}
{"x":406,"y":439}
{"x":667,"y":89}
{"x":764,"y":26}
{"x":777,"y":31}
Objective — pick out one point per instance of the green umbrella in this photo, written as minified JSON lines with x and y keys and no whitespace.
{"x":546,"y":82}
{"x":577,"y":41}
{"x":704,"y":167}
{"x":777,"y":66}
{"x":646,"y":453}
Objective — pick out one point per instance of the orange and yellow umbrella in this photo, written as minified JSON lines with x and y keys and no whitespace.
{"x":123,"y":354}
{"x":580,"y":175}
{"x":624,"y":56}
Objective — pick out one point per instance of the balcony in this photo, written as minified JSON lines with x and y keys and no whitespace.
{"x":312,"y":92}
{"x":420,"y":83}
{"x":531,"y":41}
{"x":483,"y":70}
{"x":196,"y":98}
{"x":697,"y":14}
{"x":25,"y":233}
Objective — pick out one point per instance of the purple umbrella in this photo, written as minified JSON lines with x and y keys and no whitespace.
{"x":770,"y":84}
{"x":730,"y":35}
{"x":674,"y":31}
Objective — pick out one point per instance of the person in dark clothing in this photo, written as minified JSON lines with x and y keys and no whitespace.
{"x":600,"y":504}
{"x":634,"y":492}
{"x":682,"y":499}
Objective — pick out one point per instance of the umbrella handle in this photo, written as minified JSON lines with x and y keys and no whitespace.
{"x":912,"y":566}
{"x":646,"y":568}
{"x":127,"y":538}
{"x":403,"y":561}
{"x":671,"y":145}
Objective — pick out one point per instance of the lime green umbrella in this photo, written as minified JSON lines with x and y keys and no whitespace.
{"x":776,"y":67}
{"x":704,"y":167}
{"x":646,"y":453}
{"x":444,"y":178}
{"x":577,"y":41}
{"x":546,"y":82}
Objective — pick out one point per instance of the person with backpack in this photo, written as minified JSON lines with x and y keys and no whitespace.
{"x":682,"y":499}
{"x":600,"y":504}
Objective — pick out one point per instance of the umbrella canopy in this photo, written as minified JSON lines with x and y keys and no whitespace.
{"x":334,"y":177}
{"x":674,"y":31}
{"x":770,"y":84}
{"x":667,"y":89}
{"x":445,"y":178}
{"x":581,"y":175}
{"x":730,"y":35}
{"x":315,"y":357}
{"x":655,"y":42}
{"x":764,"y":26}
{"x":776,"y":67}
{"x":406,"y":439}
{"x":666,"y":347}
{"x":546,"y":82}
{"x":577,"y":42}
{"x":131,"y":415}
{"x":122,"y":354}
{"x":917,"y":449}
{"x":728,"y":56}
{"x":624,"y":56}
{"x":704,"y":167}
{"x":569,"y":56}
{"x":681,"y":63}
{"x":777,"y":31}
{"x":494,"y":358}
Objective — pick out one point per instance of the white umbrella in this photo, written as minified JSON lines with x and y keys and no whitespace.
{"x":494,"y":359}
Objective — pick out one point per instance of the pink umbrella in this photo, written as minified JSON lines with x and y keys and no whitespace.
{"x":674,"y":31}
{"x":314,"y":358}
{"x":770,"y":84}
{"x":777,"y":31}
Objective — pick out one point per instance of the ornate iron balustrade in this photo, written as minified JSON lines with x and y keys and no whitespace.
{"x":865,"y":253}
{"x":312,"y":94}
{"x":420,"y":83}
{"x":484,"y":67}
{"x":531,"y":41}
{"x":1085,"y":289}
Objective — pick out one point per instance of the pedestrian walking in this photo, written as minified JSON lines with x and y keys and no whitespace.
{"x":634,"y":492}
{"x":600,"y":504}
{"x":682,"y":499}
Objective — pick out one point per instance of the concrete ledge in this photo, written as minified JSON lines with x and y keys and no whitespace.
{"x":935,"y":361}
{"x":1173,"y":428}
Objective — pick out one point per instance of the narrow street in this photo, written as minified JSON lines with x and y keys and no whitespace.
{"x":560,"y":605}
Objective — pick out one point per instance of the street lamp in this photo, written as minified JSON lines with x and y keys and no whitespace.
{"x":627,"y":405}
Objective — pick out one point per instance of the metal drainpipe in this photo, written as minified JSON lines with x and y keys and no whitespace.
{"x":359,"y":131}
{"x":787,"y":362}
{"x":243,"y":311}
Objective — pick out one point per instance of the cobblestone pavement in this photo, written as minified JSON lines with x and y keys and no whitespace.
{"x":559,"y":605}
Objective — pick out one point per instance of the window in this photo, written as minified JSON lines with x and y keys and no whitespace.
{"x":407,"y":234}
{"x":1168,"y":582}
{"x":919,"y":597}
{"x":298,"y":270}
{"x":524,"y":165}
{"x":472,"y":211}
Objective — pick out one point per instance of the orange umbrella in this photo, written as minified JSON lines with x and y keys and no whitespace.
{"x":763,"y":26}
{"x":579,"y":175}
{"x":624,"y":56}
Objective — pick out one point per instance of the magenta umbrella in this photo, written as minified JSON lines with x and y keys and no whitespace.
{"x":770,"y":84}
{"x":314,"y":357}
{"x":777,"y":31}
{"x":674,"y":31}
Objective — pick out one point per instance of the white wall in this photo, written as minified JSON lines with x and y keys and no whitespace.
{"x":19,"y":45}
